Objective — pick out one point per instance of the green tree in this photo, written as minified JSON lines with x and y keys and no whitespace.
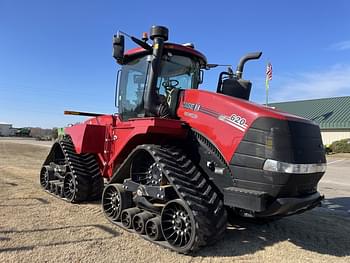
{"x":54,"y":133}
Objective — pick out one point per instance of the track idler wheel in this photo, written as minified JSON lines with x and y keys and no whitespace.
{"x":114,"y":200}
{"x":153,"y":229}
{"x":69,"y":187}
{"x":46,"y":175}
{"x":178,"y":225}
{"x":139,"y":221}
{"x":128,"y":215}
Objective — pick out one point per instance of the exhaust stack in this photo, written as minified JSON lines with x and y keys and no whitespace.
{"x":159,"y":35}
{"x":243,"y":60}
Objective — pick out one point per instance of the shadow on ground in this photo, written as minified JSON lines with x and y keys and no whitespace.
{"x":29,"y":201}
{"x":110,"y":233}
{"x":338,"y":204}
{"x":321,"y":231}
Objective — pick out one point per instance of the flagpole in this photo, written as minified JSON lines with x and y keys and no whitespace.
{"x":267,"y":91}
{"x":267,"y":83}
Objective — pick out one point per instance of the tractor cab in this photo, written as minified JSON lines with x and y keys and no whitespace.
{"x":177,"y":71}
{"x":151,"y":78}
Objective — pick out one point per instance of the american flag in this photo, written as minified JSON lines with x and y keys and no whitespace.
{"x":269,"y":71}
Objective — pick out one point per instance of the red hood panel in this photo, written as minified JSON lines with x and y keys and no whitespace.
{"x":223,"y":119}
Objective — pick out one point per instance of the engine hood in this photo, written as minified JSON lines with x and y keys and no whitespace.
{"x":224,"y":120}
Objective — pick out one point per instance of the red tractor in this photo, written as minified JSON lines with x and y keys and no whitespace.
{"x":176,"y":160}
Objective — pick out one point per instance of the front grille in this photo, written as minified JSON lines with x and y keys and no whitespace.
{"x":282,"y":140}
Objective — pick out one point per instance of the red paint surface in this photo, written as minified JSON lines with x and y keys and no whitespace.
{"x":225,"y":137}
{"x":87,"y":138}
{"x":112,"y":139}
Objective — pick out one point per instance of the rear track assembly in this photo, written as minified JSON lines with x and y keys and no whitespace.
{"x":71,"y":176}
{"x":194,"y":217}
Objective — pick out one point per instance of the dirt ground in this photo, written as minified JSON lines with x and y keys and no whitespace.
{"x":37,"y":227}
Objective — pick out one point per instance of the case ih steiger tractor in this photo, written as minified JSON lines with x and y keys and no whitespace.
{"x":177,"y":160}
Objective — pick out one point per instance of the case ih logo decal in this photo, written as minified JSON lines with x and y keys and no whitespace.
{"x":191,"y":106}
{"x":234,"y":120}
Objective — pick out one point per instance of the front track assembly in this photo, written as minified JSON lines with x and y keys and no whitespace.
{"x":71,"y":176}
{"x":166,"y":200}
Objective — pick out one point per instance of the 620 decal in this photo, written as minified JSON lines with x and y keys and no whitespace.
{"x":238,"y":119}
{"x":235,"y":120}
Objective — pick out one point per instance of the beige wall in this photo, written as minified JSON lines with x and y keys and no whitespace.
{"x":329,"y":136}
{"x":5,"y":129}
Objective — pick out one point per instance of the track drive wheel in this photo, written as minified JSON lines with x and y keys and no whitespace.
{"x":46,"y":174}
{"x":114,"y":200}
{"x":69,"y":187}
{"x":75,"y":189}
{"x":178,"y":226}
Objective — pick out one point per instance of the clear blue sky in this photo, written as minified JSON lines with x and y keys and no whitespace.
{"x":56,"y":55}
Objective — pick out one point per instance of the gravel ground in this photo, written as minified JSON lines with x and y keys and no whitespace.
{"x":38,"y":227}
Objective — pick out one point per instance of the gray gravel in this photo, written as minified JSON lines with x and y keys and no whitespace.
{"x":38,"y":227}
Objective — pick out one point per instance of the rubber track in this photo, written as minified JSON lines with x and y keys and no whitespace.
{"x":96,"y":180}
{"x":195,"y":189}
{"x":85,"y":170}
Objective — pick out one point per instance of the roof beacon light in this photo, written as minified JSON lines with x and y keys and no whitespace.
{"x":191,"y":45}
{"x":145,"y":36}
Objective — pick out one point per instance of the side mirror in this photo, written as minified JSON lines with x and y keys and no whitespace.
{"x":118,"y":48}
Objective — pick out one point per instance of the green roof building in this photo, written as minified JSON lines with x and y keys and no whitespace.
{"x":331,"y":114}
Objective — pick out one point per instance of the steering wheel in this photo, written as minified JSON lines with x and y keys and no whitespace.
{"x":170,"y":84}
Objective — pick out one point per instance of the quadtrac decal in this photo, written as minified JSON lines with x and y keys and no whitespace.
{"x":191,"y":115}
{"x":234,"y":120}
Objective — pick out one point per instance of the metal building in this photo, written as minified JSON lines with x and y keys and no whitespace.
{"x":6,"y":129}
{"x":331,"y":114}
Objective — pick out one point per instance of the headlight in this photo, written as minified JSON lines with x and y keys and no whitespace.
{"x":294,"y":168}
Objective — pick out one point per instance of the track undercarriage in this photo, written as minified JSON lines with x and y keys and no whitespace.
{"x":71,"y":176}
{"x":163,"y":196}
{"x":166,"y":200}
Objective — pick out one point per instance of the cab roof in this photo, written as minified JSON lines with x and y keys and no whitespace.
{"x":189,"y":51}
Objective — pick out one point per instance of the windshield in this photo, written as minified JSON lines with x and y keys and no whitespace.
{"x":178,"y":71}
{"x":131,"y":88}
